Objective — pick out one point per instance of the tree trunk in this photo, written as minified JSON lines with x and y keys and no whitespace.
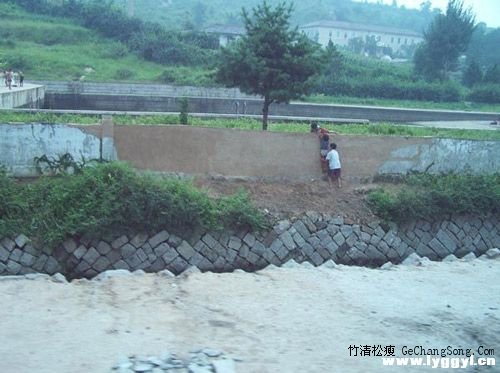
{"x":265,"y":112}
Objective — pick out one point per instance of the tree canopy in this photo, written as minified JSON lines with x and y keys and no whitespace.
{"x":445,"y":40}
{"x":272,"y":59}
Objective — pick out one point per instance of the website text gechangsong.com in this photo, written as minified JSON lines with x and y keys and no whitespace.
{"x":446,"y":358}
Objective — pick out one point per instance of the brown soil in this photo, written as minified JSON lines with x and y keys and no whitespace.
{"x":288,"y":199}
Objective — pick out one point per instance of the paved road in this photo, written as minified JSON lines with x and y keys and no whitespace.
{"x":468,"y":125}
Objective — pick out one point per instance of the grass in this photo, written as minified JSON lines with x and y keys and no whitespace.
{"x":431,"y":197}
{"x":464,"y":106}
{"x":111,"y":199}
{"x":373,"y":129}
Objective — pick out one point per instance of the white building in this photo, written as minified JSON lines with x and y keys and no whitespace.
{"x":226,"y":33}
{"x":340,"y":33}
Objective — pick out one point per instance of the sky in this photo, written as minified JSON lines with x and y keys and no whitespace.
{"x":487,"y":11}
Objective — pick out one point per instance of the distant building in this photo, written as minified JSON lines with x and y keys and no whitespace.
{"x":340,"y":33}
{"x":226,"y":33}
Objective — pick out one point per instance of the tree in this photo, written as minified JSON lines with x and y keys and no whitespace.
{"x":472,"y":75}
{"x":272,"y":59}
{"x":444,"y":41}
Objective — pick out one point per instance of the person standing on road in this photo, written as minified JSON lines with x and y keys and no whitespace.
{"x":21,"y":78}
{"x":334,"y":167}
{"x":8,"y":79}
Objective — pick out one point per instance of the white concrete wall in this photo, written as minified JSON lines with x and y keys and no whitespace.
{"x":20,"y":144}
{"x":443,"y":156}
{"x":30,"y":95}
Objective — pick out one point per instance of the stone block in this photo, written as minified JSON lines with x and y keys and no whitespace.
{"x":30,"y":249}
{"x":121,"y":264}
{"x":367,"y":230}
{"x":119,"y":242}
{"x":102,"y":264}
{"x":282,"y":252}
{"x":139,"y":239}
{"x":374,"y":240}
{"x":209,"y":240}
{"x":91,"y":256}
{"x":158,"y":238}
{"x":69,"y":245}
{"x":82,"y":267}
{"x":205,"y":251}
{"x":103,"y":248}
{"x":375,"y":256}
{"x":142,"y":255}
{"x":185,"y":250}
{"x":253,"y":258}
{"x":351,"y":240}
{"x":322,"y":234}
{"x":234,"y":243}
{"x":80,"y":252}
{"x":157,"y":266}
{"x":346,"y":230}
{"x":8,"y":244}
{"x":424,"y":250}
{"x":244,"y":251}
{"x":258,"y":248}
{"x":316,"y":259}
{"x":447,"y":242}
{"x":249,"y":239}
{"x":196,"y":259}
{"x":309,"y":225}
{"x":174,"y":240}
{"x":134,"y":261}
{"x":297,"y":238}
{"x":13,"y":268}
{"x":287,"y":240}
{"x":332,"y":230}
{"x":170,"y":256}
{"x":365,"y":237}
{"x":3,"y":268}
{"x":161,"y":249}
{"x":113,"y":256}
{"x":4,"y":254}
{"x":337,"y":220}
{"x":357,"y":256}
{"x":230,"y":255}
{"x":324,"y":253}
{"x":40,"y":263}
{"x":127,"y":251}
{"x":21,"y":240}
{"x":301,"y":229}
{"x":27,"y":260}
{"x":178,"y":266}
{"x":339,"y":239}
{"x":16,"y":255}
{"x":441,"y":251}
{"x":51,"y":266}
{"x":315,"y":241}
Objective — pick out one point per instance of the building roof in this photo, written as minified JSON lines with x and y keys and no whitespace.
{"x":225,"y":29}
{"x":360,"y":27}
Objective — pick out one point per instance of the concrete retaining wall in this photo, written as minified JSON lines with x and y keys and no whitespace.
{"x":29,"y":96}
{"x":21,"y":143}
{"x":122,"y":102}
{"x":314,"y":238}
{"x":236,"y":153}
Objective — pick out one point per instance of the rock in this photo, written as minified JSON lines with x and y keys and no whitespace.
{"x":412,"y":260}
{"x":190,"y":271}
{"x":450,"y":258}
{"x":21,"y":240}
{"x":119,"y":242}
{"x":469,"y":257}
{"x":139,"y":240}
{"x":59,"y":278}
{"x":195,"y":368}
{"x":159,"y":238}
{"x":291,"y":264}
{"x":91,"y":256}
{"x":306,"y":264}
{"x":143,"y":367}
{"x":112,"y":273}
{"x":282,"y":226}
{"x":224,"y":366}
{"x":166,"y":273}
{"x":387,"y":266}
{"x":139,"y":272}
{"x":211,"y":352}
{"x":185,"y":250}
{"x":492,"y":253}
{"x":329,"y":264}
{"x":37,"y":276}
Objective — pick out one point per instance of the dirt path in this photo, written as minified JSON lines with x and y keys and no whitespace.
{"x":286,"y":199}
{"x":276,"y":320}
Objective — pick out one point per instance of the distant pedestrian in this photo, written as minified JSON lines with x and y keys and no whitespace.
{"x":8,"y":79}
{"x":21,"y":78}
{"x":324,"y":148}
{"x":334,"y":167}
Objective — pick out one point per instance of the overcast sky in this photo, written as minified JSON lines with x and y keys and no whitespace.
{"x":487,"y":11}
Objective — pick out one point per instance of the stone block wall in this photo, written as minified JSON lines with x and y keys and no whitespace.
{"x":314,"y":238}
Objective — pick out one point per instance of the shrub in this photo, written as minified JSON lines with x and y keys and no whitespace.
{"x":111,"y":199}
{"x":183,"y":115}
{"x":427,"y":196}
{"x":124,"y":74}
{"x":487,"y":93}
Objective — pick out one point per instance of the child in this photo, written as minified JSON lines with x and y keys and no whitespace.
{"x":324,"y":145}
{"x":334,"y":167}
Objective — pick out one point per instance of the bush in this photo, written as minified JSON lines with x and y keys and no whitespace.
{"x":486,"y":93}
{"x":111,"y":199}
{"x":124,"y":74}
{"x":428,"y":197}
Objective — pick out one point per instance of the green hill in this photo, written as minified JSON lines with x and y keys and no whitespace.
{"x":46,"y":47}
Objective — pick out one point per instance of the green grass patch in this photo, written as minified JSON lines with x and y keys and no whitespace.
{"x":112,"y":199}
{"x":430,"y":197}
{"x":248,"y":124}
{"x":408,"y":104}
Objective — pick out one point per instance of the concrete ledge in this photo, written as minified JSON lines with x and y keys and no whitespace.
{"x":30,"y":95}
